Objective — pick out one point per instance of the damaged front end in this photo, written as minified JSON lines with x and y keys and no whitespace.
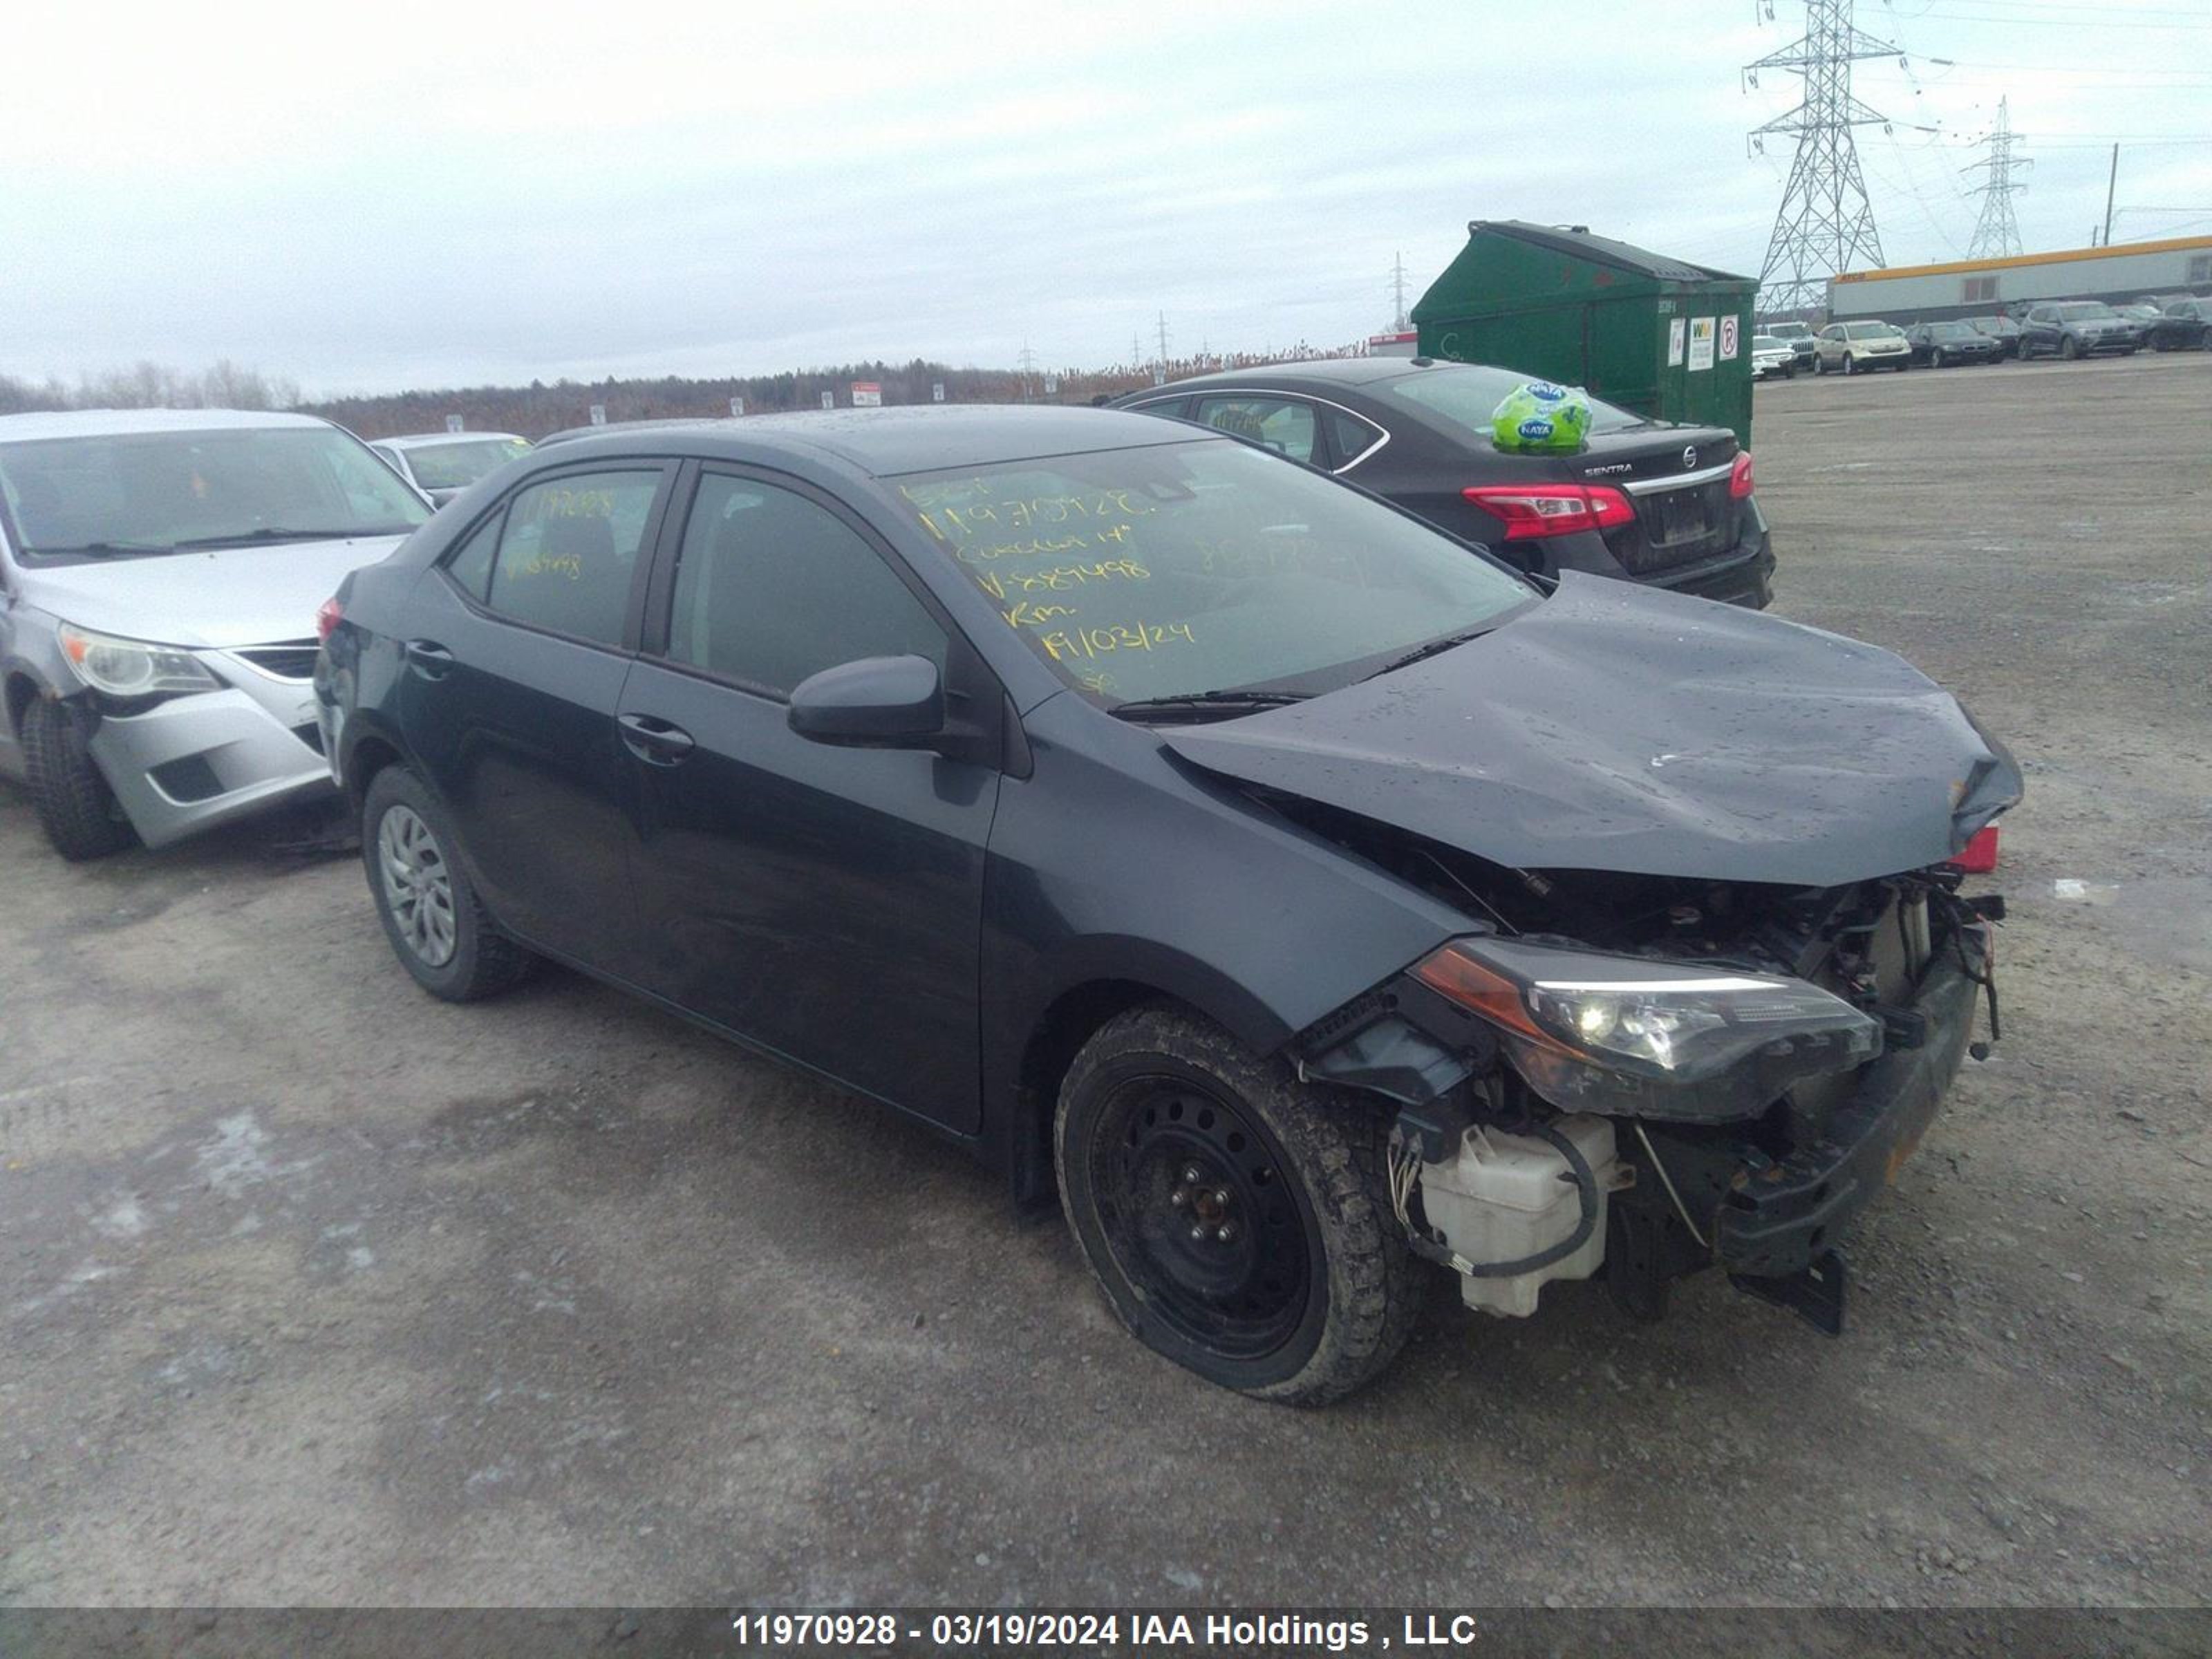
{"x":1640,"y":1077}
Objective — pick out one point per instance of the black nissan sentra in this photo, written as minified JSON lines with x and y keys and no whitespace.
{"x":1307,"y":896}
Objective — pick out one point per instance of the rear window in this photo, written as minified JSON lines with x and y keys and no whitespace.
{"x":1468,"y":394}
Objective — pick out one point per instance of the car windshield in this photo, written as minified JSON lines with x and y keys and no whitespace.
{"x":1869,"y":331}
{"x":1467,"y":395}
{"x":1179,"y":569}
{"x":1767,"y":342}
{"x":1949,"y":332}
{"x":1990,"y":325}
{"x":2082,"y":309}
{"x":1792,"y":330}
{"x":144,"y":493}
{"x":457,"y":464}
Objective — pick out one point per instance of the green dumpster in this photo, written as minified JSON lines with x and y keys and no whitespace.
{"x":1661,"y":337}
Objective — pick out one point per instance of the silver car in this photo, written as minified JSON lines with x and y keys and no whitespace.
{"x":441,"y":465}
{"x":161,"y":574}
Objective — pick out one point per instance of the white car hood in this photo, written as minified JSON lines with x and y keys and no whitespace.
{"x":222,"y":598}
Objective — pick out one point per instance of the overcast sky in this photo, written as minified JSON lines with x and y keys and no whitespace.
{"x":366,"y":198}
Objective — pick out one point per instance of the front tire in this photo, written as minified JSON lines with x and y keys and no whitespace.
{"x":1937,"y":361}
{"x":1851,"y":364}
{"x":2068,"y":350}
{"x":436,"y":922}
{"x":76,"y":809}
{"x":1237,"y":1220}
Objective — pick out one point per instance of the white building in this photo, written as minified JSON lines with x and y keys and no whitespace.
{"x":1975,"y":287}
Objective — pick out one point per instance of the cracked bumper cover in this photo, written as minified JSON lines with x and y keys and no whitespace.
{"x":1782,"y":1217}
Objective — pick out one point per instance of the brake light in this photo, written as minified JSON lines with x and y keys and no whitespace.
{"x":331,"y":614}
{"x":1740,"y":477}
{"x":1531,"y":511}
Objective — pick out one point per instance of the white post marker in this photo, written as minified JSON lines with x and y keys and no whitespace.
{"x":937,"y":392}
{"x":829,"y":400}
{"x":453,"y":423}
{"x":1051,"y":385}
{"x":737,"y":405}
{"x":598,"y":414}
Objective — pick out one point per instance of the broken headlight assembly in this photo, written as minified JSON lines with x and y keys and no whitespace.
{"x":131,"y":668}
{"x":1626,"y":1035}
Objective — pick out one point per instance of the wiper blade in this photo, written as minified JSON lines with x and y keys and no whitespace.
{"x":281,"y":533}
{"x":101,"y":548}
{"x":1434,"y":647}
{"x":1203,"y":702}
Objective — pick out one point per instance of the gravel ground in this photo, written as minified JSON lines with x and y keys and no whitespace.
{"x":313,"y":1290}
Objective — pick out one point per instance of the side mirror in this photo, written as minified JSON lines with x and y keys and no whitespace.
{"x":877,"y":703}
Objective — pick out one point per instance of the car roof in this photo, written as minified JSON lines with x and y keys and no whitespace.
{"x":417,"y":440}
{"x":887,"y":442}
{"x":112,"y":423}
{"x":1318,"y":372}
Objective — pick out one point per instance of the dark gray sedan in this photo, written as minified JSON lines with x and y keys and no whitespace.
{"x":1314,"y":903}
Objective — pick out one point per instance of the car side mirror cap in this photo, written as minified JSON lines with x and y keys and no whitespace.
{"x":877,"y":703}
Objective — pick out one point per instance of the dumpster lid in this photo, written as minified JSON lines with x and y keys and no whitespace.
{"x":1601,"y":250}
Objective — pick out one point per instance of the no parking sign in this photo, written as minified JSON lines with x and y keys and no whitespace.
{"x":1727,"y":337}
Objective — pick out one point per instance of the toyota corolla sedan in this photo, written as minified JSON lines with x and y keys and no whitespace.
{"x":159,"y":575}
{"x":1315,"y":903}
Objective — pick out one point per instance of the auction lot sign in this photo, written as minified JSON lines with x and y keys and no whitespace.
{"x":867,"y":394}
{"x":707,"y":1632}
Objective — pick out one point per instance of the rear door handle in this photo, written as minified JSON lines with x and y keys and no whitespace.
{"x":653,"y":740}
{"x":429,"y":658}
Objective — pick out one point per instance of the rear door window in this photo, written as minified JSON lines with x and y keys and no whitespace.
{"x":1349,"y":436}
{"x":569,"y":550}
{"x":1285,"y":425}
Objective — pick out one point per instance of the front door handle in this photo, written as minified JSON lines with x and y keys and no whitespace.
{"x":653,"y":740}
{"x":429,"y":658}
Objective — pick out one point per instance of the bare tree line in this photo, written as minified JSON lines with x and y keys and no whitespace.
{"x":537,"y":408}
{"x":153,"y":386}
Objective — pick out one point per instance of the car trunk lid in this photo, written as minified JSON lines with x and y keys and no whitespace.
{"x":1677,"y":479}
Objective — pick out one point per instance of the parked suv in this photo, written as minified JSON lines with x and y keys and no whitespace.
{"x":1644,"y":500}
{"x":160,"y":572}
{"x":1797,"y":336}
{"x":1317,"y":906}
{"x":1857,"y":347}
{"x":2077,"y":328}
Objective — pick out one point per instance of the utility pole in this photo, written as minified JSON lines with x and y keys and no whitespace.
{"x":1398,"y":294}
{"x":1826,"y":222}
{"x":2112,"y":182}
{"x":1997,"y":233}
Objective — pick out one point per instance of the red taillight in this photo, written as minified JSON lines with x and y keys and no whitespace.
{"x":1740,"y":477}
{"x":1531,"y":511}
{"x":328,"y":618}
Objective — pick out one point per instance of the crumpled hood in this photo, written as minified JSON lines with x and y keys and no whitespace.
{"x":223,"y":597}
{"x":1619,"y":728}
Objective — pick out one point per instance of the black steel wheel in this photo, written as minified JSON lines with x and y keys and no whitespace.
{"x":1237,"y":1220}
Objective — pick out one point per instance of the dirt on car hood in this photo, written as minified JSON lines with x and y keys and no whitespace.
{"x":1618,"y":727}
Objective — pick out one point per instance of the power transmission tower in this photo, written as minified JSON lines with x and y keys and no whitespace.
{"x":1825,"y":223}
{"x":1997,"y":233}
{"x":1398,"y":294}
{"x":1164,"y":339}
{"x":1028,"y":362}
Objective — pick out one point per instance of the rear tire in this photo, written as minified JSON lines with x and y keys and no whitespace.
{"x":1237,"y":1220}
{"x":76,"y":809}
{"x":436,"y":922}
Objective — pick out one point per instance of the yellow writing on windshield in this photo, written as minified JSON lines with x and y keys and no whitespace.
{"x":1060,"y":578}
{"x":1076,"y":644}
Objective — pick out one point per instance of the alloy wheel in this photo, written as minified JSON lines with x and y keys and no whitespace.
{"x":418,"y":887}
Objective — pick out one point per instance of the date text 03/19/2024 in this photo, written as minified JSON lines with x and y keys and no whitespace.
{"x":1079,"y":1630}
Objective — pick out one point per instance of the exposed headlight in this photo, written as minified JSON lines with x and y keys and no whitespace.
{"x":131,"y":668}
{"x":1593,"y":1032}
